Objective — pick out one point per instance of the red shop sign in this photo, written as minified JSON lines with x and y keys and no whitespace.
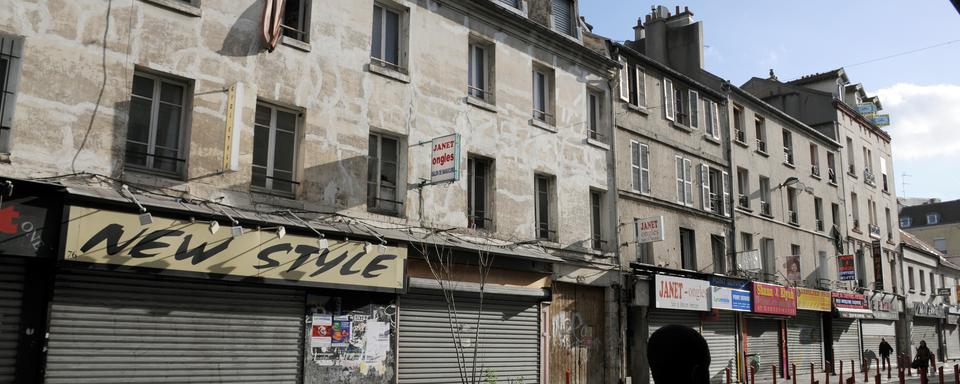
{"x":849,"y":300}
{"x":774,"y":299}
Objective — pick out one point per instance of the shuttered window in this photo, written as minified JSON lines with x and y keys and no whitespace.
{"x":563,"y":16}
{"x":11,"y":301}
{"x":11,"y":49}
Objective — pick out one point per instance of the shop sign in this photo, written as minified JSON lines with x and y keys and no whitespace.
{"x":649,"y":229}
{"x":23,"y":225}
{"x":730,"y":299}
{"x":877,"y":264}
{"x":953,"y":310}
{"x":729,"y":282}
{"x":943,"y":292}
{"x":849,"y":300}
{"x":928,"y":310}
{"x":881,"y":120}
{"x":445,"y":158}
{"x":774,"y":299}
{"x":115,"y":238}
{"x":846,"y":268}
{"x":681,"y":293}
{"x":883,"y":306}
{"x":813,"y":300}
{"x":866,"y":108}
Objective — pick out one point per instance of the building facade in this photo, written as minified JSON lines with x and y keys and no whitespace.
{"x":932,"y":308}
{"x":935,"y":223}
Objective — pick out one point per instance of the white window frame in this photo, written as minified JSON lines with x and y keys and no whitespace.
{"x":933,"y":218}
{"x":906,"y":220}
{"x":641,"y":86}
{"x":684,"y":180}
{"x":400,"y":65}
{"x":640,"y":167}
{"x":705,"y":201}
{"x":624,"y":80}
{"x":396,"y":206}
{"x":595,"y":110}
{"x":694,"y":109}
{"x":711,"y":119}
{"x":475,"y":89}
{"x":788,"y":148}
{"x":187,"y":94}
{"x":668,"y":101}
{"x":545,"y":115}
{"x":269,"y":169}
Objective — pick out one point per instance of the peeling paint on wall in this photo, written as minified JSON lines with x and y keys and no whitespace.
{"x":349,"y":342}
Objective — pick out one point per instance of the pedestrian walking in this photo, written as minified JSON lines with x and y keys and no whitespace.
{"x":885,"y":351}
{"x":923,"y":358}
{"x":678,"y":355}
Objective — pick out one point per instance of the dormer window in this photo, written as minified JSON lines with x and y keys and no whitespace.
{"x":933,"y":218}
{"x":905,"y":222}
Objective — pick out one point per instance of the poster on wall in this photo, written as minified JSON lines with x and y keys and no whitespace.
{"x":793,"y":268}
{"x":846,"y":268}
{"x":341,"y":331}
{"x":321,"y":328}
{"x":349,"y":337}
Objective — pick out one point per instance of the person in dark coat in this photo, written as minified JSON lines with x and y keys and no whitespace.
{"x":885,"y":351}
{"x":923,"y":357}
{"x":678,"y":355}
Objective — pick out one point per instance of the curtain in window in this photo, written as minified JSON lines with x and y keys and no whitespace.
{"x":272,"y":19}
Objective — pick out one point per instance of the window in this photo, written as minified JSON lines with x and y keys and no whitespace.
{"x":883,"y":173}
{"x":835,"y":214}
{"x":831,"y":167}
{"x":769,"y":259}
{"x":543,"y":94}
{"x":855,"y":210}
{"x":640,"y":87}
{"x":823,"y":271}
{"x":868,"y":175}
{"x":905,"y":222}
{"x":684,"y":181}
{"x":940,"y":244}
{"x":765,"y":196}
{"x":739,"y":134}
{"x":595,"y":130}
{"x":644,"y":250}
{"x":861,"y":268}
{"x":933,"y":284}
{"x":480,"y":71}
{"x":715,"y":191}
{"x":680,"y":107}
{"x":818,"y":212}
{"x":156,"y":124}
{"x":624,"y":80}
{"x":11,"y":51}
{"x":743,"y":186}
{"x":275,"y":149}
{"x":792,"y":212}
{"x":910,"y":282}
{"x":544,"y":192}
{"x":668,"y":101}
{"x":596,"y":221}
{"x":688,"y":251}
{"x":694,"y":101}
{"x":814,"y":160}
{"x":383,"y":189}
{"x":886,"y":214}
{"x":923,"y":283}
{"x":480,"y":193}
{"x":387,"y":47}
{"x":640,"y":167}
{"x":746,"y":242}
{"x":852,"y":168}
{"x":296,"y":19}
{"x":563,"y":17}
{"x":719,"y":260}
{"x":711,"y":119}
{"x":787,"y":147}
{"x":933,"y":218}
{"x":512,"y":3}
{"x":761,"y":131}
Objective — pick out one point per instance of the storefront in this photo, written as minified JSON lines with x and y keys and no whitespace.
{"x":728,"y":298}
{"x":140,"y":299}
{"x":678,"y":300}
{"x":849,"y":308}
{"x":951,"y":335}
{"x":763,"y":329}
{"x":881,"y":326}
{"x":926,"y":327}
{"x":805,"y":331}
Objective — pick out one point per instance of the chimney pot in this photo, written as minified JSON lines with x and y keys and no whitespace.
{"x":678,"y":9}
{"x":686,"y":9}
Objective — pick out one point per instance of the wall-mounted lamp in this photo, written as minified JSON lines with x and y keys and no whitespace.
{"x":214,"y":227}
{"x":789,"y":181}
{"x":145,"y":218}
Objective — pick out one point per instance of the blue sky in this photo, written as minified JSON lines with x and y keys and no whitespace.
{"x":920,"y":91}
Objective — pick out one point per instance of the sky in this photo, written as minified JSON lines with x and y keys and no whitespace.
{"x":919,"y":90}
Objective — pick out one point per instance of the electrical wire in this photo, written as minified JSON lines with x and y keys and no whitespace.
{"x":902,"y":53}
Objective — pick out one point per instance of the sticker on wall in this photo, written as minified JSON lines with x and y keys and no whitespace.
{"x":321,"y":329}
{"x":341,"y":331}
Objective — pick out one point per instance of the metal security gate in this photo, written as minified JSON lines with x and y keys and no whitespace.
{"x":721,"y":336}
{"x":11,"y":293}
{"x":659,"y":318}
{"x":846,"y":343}
{"x":509,"y":342}
{"x":805,"y":341}
{"x":763,"y":340}
{"x":924,"y":329}
{"x":952,"y":339}
{"x":873,"y":332}
{"x":117,"y":328}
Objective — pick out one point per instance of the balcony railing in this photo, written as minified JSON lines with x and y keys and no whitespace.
{"x":874,"y":230}
{"x":598,"y":243}
{"x":788,"y":155}
{"x":832,"y":175}
{"x":815,"y":170}
{"x":765,"y":208}
{"x":596,"y":136}
{"x":869,"y":177}
{"x":761,"y":145}
{"x":480,"y":93}
{"x":856,"y":224}
{"x":716,"y":205}
{"x":819,"y":225}
{"x":741,"y":136}
{"x":744,"y":201}
{"x":793,"y":217}
{"x":543,"y":116}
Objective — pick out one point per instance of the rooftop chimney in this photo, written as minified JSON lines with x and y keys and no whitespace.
{"x":638,"y":32}
{"x":674,"y":40}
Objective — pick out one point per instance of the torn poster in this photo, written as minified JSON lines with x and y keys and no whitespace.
{"x":341,"y":331}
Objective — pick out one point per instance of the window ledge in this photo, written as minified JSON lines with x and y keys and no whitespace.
{"x":388,"y":73}
{"x":153,"y":172}
{"x":598,"y":144}
{"x":795,"y":224}
{"x":762,"y":153}
{"x":853,"y":175}
{"x":767,"y":215}
{"x":543,"y":125}
{"x":745,"y":209}
{"x":833,"y":183}
{"x":482,"y":104}
{"x":272,"y":193}
{"x":294,"y":43}
{"x":789,"y":165}
{"x":890,"y":242}
{"x":886,"y":191}
{"x":742,"y":144}
{"x":681,"y":126}
{"x":178,"y":6}
{"x":816,"y":176}
{"x":638,"y":109}
{"x":707,"y":137}
{"x":856,"y":230}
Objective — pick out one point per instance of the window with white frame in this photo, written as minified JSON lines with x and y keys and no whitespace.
{"x":855,"y":210}
{"x":668,"y":100}
{"x":11,"y":51}
{"x":760,"y":128}
{"x":639,"y":87}
{"x":852,"y":169}
{"x":818,"y":213}
{"x":765,"y":196}
{"x":905,"y":222}
{"x":680,"y":112}
{"x":543,"y":94}
{"x":275,"y":149}
{"x":738,"y":133}
{"x":814,"y":160}
{"x":480,"y":77}
{"x":835,"y":214}
{"x":831,"y":167}
{"x":711,"y":119}
{"x":480,"y":192}
{"x":684,"y":180}
{"x":743,"y":186}
{"x":640,"y":167}
{"x":595,"y":122}
{"x":624,"y":80}
{"x":389,"y":44}
{"x":383,"y":175}
{"x":933,"y":218}
{"x":694,"y":109}
{"x":715,"y":190}
{"x":157,"y":123}
{"x":296,"y":19}
{"x":787,"y":147}
{"x":883,"y":173}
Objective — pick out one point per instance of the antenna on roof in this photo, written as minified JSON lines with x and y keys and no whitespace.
{"x":904,"y":183}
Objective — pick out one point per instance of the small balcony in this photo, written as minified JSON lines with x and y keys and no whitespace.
{"x":815,"y":170}
{"x":869,"y":177}
{"x":787,"y":155}
{"x":765,"y":208}
{"x":832,"y":175}
{"x":856,"y":225}
{"x":543,"y":116}
{"x":874,"y":230}
{"x":744,"y":201}
{"x":792,"y":217}
{"x":761,"y":146}
{"x":596,"y":136}
{"x":741,"y":136}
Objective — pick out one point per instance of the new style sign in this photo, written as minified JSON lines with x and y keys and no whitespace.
{"x":116,"y":238}
{"x":681,"y":293}
{"x":730,"y":299}
{"x":649,"y":229}
{"x":846,"y":268}
{"x":774,"y":299}
{"x":813,"y":300}
{"x":445,"y":158}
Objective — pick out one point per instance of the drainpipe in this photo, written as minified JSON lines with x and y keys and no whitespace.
{"x":615,"y":221}
{"x":725,"y":87}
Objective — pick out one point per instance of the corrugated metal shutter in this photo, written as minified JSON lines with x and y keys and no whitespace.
{"x":11,"y":293}
{"x":659,"y":318}
{"x":952,"y":339}
{"x":509,"y":337}
{"x":763,"y":338}
{"x":875,"y":330}
{"x":805,"y":341}
{"x":721,"y":336}
{"x":924,"y":329}
{"x":110,"y":328}
{"x":563,"y":16}
{"x":846,"y":343}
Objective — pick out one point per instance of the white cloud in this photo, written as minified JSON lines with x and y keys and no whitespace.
{"x":924,"y":120}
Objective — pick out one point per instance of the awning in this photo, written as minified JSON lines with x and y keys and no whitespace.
{"x":851,"y":313}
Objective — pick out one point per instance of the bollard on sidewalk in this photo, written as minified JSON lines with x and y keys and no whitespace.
{"x":956,"y":374}
{"x":753,"y":374}
{"x":728,"y":375}
{"x":940,"y":373}
{"x":793,"y":373}
{"x":774,"y":370}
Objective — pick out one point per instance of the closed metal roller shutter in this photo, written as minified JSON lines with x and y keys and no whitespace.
{"x":110,"y":328}
{"x":952,"y":339}
{"x":509,"y":337}
{"x":924,"y":329}
{"x":11,"y":293}
{"x":763,"y":338}
{"x":563,"y":16}
{"x":659,"y":318}
{"x":846,"y":343}
{"x":873,"y":332}
{"x":805,"y":341}
{"x":721,"y":336}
